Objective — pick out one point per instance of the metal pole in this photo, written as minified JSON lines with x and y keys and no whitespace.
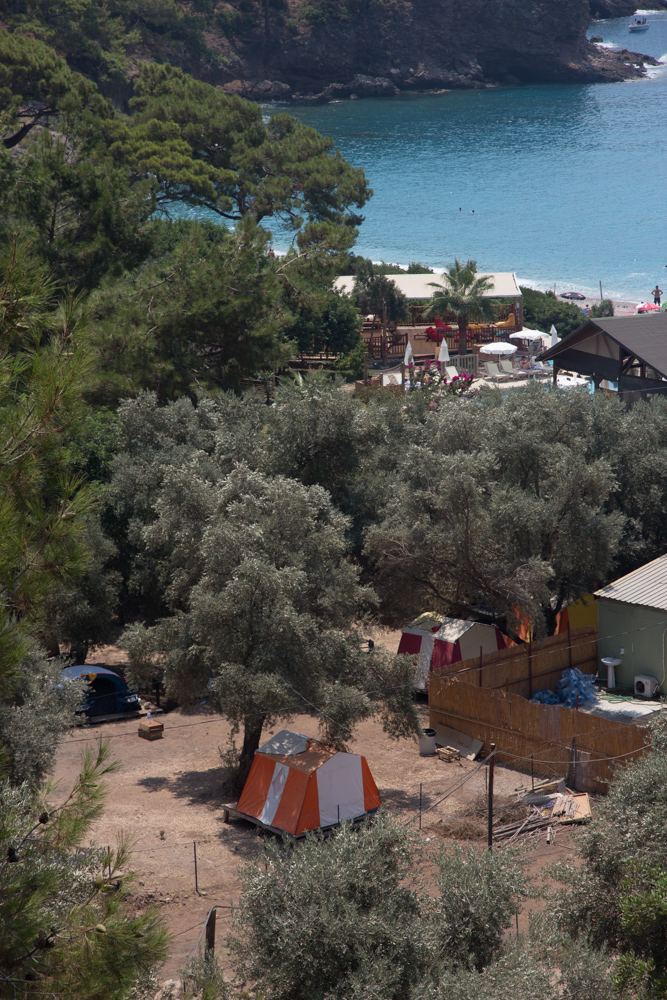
{"x":492,"y":760}
{"x":194,"y":844}
{"x":420,"y":807}
{"x":210,"y":934}
{"x":601,"y":292}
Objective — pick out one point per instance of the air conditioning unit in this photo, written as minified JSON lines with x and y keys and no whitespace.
{"x":645,"y":687}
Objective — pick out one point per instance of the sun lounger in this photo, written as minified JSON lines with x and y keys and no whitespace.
{"x":508,"y":368}
{"x":507,"y":324}
{"x":494,"y":373}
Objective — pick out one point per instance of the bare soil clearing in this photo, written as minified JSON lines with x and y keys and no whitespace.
{"x":169,"y":793}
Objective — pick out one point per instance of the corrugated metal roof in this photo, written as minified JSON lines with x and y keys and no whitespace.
{"x":646,"y":586}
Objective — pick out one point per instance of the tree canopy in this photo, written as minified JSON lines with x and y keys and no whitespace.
{"x":461,"y":291}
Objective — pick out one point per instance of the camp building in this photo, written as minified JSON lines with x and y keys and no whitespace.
{"x":632,"y":623}
{"x":628,"y":351}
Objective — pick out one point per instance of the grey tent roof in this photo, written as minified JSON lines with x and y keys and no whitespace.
{"x":645,"y":337}
{"x":286,"y":742}
{"x":646,"y":586}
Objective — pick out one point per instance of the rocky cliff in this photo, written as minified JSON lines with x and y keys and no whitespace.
{"x":618,"y":8}
{"x":341,"y":48}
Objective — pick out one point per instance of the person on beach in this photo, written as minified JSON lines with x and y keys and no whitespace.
{"x":657,"y":292}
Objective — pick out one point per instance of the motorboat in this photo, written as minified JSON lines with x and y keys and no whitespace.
{"x":638,"y":23}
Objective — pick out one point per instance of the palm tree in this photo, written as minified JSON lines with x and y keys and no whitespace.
{"x":461,"y":292}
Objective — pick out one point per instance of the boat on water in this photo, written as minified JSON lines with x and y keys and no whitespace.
{"x":638,"y":23}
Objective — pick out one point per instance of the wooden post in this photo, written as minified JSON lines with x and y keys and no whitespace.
{"x":600,"y":291}
{"x":572,"y":776}
{"x":481,"y":657}
{"x":492,"y":761}
{"x":209,"y":947}
{"x":366,"y":366}
{"x":402,"y":372}
{"x":569,"y":640}
{"x":530,"y":669}
{"x":532,"y":772}
{"x":384,"y":332}
{"x":420,"y":807}
{"x":194,"y":844}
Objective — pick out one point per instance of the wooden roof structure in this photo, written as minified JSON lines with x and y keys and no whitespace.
{"x":628,"y":350}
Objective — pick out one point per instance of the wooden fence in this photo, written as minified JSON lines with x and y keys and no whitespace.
{"x":533,"y":666}
{"x":486,"y":699}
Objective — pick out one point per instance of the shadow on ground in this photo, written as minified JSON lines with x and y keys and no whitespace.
{"x":209,"y":787}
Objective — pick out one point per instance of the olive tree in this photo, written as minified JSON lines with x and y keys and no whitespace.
{"x":500,"y":510}
{"x":266,"y":602}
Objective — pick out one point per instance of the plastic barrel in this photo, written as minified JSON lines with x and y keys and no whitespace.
{"x":427,"y":743}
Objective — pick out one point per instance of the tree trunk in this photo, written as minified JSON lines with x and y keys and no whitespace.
{"x":463,"y":327}
{"x":252,"y":733}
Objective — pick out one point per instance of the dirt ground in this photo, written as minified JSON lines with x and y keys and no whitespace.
{"x":168,"y":793}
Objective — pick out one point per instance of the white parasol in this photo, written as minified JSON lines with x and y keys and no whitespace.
{"x":500,"y":348}
{"x":554,"y":335}
{"x":527,"y":335}
{"x":443,"y":354}
{"x":409,"y":358}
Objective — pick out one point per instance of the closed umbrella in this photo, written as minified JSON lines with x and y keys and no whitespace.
{"x":443,"y":354}
{"x":554,"y":335}
{"x":409,"y":358}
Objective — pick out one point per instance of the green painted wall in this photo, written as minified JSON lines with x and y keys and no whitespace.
{"x":643,"y":645}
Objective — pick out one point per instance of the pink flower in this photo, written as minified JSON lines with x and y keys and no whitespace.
{"x":431,"y":406}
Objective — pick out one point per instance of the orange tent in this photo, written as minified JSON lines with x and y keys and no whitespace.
{"x":297,"y":784}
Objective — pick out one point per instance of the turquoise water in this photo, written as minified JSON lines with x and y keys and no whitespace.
{"x":567,"y":182}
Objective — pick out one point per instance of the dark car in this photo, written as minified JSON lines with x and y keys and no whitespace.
{"x":108,"y":693}
{"x":571,"y":295}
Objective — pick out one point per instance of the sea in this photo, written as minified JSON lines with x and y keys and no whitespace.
{"x":565,"y":184}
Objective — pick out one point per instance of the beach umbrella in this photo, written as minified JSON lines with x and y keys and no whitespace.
{"x":409,"y":358}
{"x":443,"y":354}
{"x":500,"y":348}
{"x":526,"y":335}
{"x":554,"y":335}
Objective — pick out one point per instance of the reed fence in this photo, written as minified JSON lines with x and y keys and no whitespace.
{"x":487,"y":698}
{"x":530,"y":667}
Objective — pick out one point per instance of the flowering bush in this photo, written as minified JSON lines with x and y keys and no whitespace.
{"x":431,"y":378}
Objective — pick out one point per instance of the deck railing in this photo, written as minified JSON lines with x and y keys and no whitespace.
{"x":501,"y":312}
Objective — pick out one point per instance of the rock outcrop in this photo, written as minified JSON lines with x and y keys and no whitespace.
{"x":364,"y":49}
{"x":618,"y":8}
